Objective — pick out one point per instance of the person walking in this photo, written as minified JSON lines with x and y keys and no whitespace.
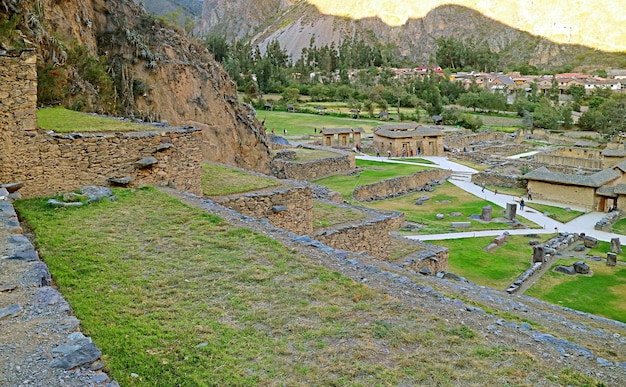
{"x":522,"y":204}
{"x":529,"y":194}
{"x":482,"y":185}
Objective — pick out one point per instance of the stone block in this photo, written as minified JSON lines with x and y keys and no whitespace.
{"x":565,"y":269}
{"x":487,"y":213}
{"x":616,"y":245}
{"x":590,"y":242}
{"x":581,"y":267}
{"x":439,"y":216}
{"x":461,"y":224}
{"x":539,"y":254}
{"x":511,"y":211}
{"x":611,"y":259}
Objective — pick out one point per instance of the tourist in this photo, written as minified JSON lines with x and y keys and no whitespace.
{"x":388,"y":154}
{"x":529,"y":194}
{"x":522,"y":204}
{"x":377,"y":152}
{"x":482,"y":185}
{"x":495,"y":191}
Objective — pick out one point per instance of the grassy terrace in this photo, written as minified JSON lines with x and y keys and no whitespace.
{"x":446,"y":199}
{"x":305,"y":124}
{"x":556,"y":213}
{"x":62,"y":120}
{"x":178,"y":297}
{"x":326,"y":215}
{"x":222,"y":180}
{"x":497,"y":268}
{"x":601,"y":294}
{"x":373,"y":171}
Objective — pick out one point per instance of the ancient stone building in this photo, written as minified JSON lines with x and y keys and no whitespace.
{"x":409,"y":139}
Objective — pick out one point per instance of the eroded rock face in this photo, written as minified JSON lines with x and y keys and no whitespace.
{"x":159,"y":73}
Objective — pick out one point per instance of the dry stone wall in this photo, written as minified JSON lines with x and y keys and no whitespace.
{"x":312,"y":170}
{"x":462,"y":140}
{"x":50,"y":163}
{"x":498,"y":179}
{"x":431,"y":259}
{"x":289,"y":207}
{"x":399,"y":185}
{"x":372,"y":236}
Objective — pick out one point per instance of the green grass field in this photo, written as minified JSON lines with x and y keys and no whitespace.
{"x":175,"y":296}
{"x":557,"y":213}
{"x":445,"y":199}
{"x":601,"y":294}
{"x":221,"y":180}
{"x":62,"y":120}
{"x":496,"y":268}
{"x":373,"y":171}
{"x":299,"y":124}
{"x":620,"y":227}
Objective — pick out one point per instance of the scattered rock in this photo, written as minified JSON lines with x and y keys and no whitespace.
{"x":10,"y":311}
{"x":439,"y":216}
{"x":581,"y":267}
{"x":145,"y":162}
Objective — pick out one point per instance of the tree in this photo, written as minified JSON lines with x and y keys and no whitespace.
{"x":290,"y":94}
{"x":470,"y":100}
{"x":545,"y":116}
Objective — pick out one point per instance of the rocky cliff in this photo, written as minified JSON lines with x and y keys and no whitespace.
{"x":158,"y":73}
{"x":537,"y":32}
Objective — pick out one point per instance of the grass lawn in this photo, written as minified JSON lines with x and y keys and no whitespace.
{"x":605,"y":247}
{"x":556,"y":213}
{"x":62,"y":120}
{"x":445,"y":199}
{"x":619,"y":227}
{"x":300,"y":124}
{"x":373,"y":171}
{"x":178,"y":297}
{"x":221,"y":180}
{"x":304,"y":155}
{"x":496,"y":268}
{"x":326,"y":215}
{"x":601,"y":294}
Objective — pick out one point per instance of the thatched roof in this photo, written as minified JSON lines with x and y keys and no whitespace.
{"x":341,"y":130}
{"x":613,"y":153}
{"x":596,"y":180}
{"x":407,"y":131}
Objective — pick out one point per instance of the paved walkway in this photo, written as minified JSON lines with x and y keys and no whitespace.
{"x":583,"y":224}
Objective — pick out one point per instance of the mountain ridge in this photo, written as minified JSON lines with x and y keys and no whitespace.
{"x":294,"y":24}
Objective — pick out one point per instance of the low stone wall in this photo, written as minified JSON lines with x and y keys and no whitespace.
{"x":52,"y":163}
{"x":498,"y":179}
{"x":551,"y":247}
{"x":432,"y":259}
{"x":372,"y":236}
{"x":315,"y":169}
{"x":289,"y":207}
{"x":34,"y":310}
{"x":461,"y":140}
{"x":399,"y":185}
{"x":577,"y":162}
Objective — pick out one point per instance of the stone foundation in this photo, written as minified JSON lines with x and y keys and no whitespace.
{"x":431,"y":259}
{"x":372,"y":236}
{"x":312,"y":170}
{"x":399,"y":185}
{"x":289,"y":207}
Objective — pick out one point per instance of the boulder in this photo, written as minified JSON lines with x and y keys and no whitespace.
{"x":565,"y":269}
{"x":439,"y":216}
{"x":590,"y":242}
{"x":581,"y":267}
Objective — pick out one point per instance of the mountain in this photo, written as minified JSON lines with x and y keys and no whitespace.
{"x":536,"y":32}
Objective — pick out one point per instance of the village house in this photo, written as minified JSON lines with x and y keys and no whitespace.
{"x":408,"y":140}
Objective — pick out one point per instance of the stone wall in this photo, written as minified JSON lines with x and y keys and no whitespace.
{"x":372,"y":236}
{"x":50,"y":163}
{"x":462,"y":140}
{"x":315,"y":169}
{"x":572,"y":161}
{"x":289,"y":206}
{"x":498,"y":180}
{"x":431,"y":259}
{"x":399,"y":185}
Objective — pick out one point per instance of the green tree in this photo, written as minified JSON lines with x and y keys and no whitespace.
{"x":545,"y":116}
{"x":290,"y":94}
